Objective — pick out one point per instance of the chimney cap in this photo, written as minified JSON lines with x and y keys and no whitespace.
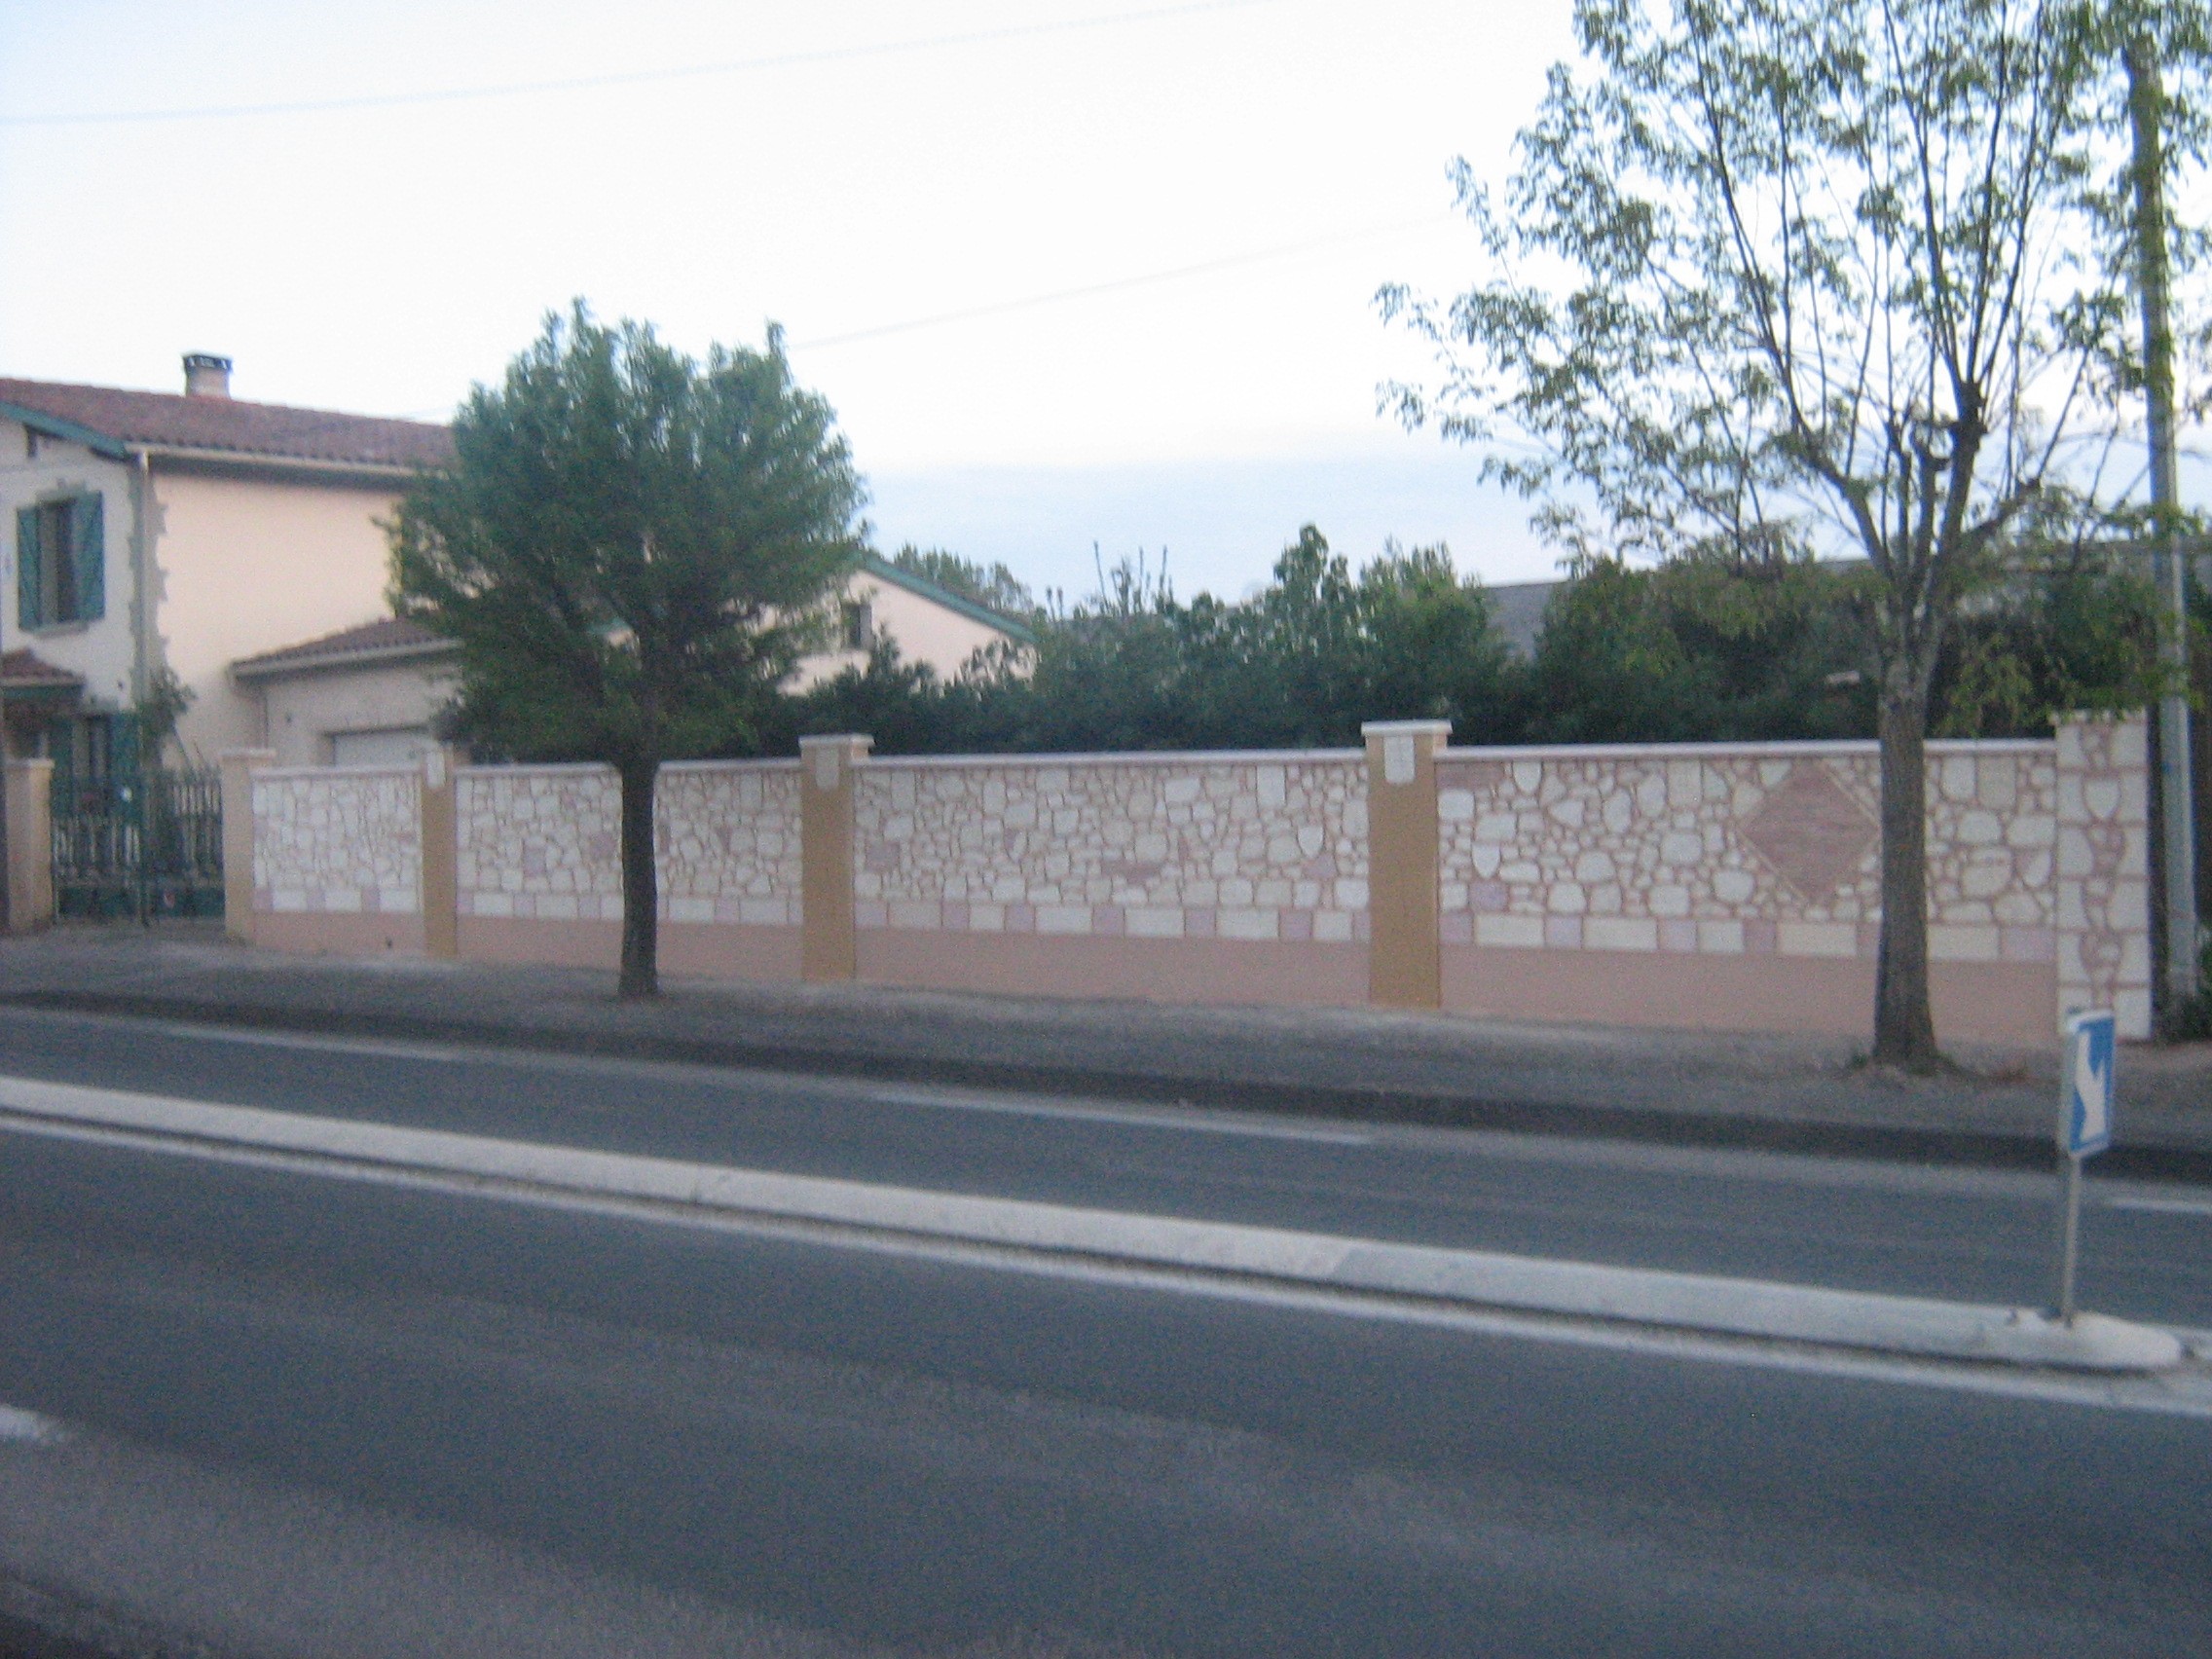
{"x":206,"y":375}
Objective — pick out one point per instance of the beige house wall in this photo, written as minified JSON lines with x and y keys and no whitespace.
{"x":925,"y":631}
{"x":306,"y":709}
{"x":251,"y":564}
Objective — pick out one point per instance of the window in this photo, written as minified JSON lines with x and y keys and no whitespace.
{"x":858,"y":617}
{"x":61,"y":562}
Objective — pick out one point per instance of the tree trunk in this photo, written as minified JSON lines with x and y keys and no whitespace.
{"x":1904,"y":1028}
{"x":640,"y":882}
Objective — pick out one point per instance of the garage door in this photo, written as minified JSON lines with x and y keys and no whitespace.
{"x":392,"y":746}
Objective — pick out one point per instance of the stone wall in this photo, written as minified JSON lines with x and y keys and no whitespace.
{"x":2103,"y":865}
{"x":1739,"y":849}
{"x":539,"y":843}
{"x":1725,"y":885}
{"x":1269,"y":847}
{"x":337,"y":842}
{"x":545,"y":842}
{"x":729,"y":835}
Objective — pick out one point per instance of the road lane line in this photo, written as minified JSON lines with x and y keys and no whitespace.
{"x":376,"y":1048}
{"x":1162,"y":1118}
{"x":2162,"y":1206}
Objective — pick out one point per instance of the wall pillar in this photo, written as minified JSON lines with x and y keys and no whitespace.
{"x":441,"y":855}
{"x":30,"y":846}
{"x":1405,"y":966}
{"x":239,"y":767}
{"x":2103,"y":868}
{"x":828,"y":942}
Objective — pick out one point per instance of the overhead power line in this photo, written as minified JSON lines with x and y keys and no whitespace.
{"x":628,"y":78}
{"x":1143,"y":280}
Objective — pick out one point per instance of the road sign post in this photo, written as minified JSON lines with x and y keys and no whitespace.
{"x":2084,"y":1127}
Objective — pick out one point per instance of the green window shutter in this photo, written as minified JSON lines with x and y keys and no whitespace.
{"x":88,"y":517}
{"x":26,"y":568}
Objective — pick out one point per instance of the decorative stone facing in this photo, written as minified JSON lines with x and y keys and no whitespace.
{"x":1188,"y":847}
{"x":1734,"y":851}
{"x":545,"y":842}
{"x":2103,"y":868}
{"x":729,"y":835}
{"x":539,"y":842}
{"x":337,"y":841}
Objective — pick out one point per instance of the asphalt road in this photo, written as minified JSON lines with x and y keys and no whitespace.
{"x":1976,"y":1235}
{"x":316,"y":1415}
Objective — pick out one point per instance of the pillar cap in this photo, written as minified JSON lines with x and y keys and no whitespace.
{"x":1388,"y":728}
{"x":857,"y":742}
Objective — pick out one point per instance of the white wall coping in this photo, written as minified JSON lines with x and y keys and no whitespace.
{"x":1164,"y":758}
{"x":572,"y":768}
{"x":537,"y":767}
{"x":1789,"y":751}
{"x":379,"y":770}
{"x":777,"y":763}
{"x":1126,"y":758}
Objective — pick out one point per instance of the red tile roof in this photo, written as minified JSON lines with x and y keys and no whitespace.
{"x":388,"y":636}
{"x":23,"y":669}
{"x":160,"y":419}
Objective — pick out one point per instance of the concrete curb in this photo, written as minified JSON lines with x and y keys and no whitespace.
{"x":1805,"y":1135}
{"x":1684,"y":1301}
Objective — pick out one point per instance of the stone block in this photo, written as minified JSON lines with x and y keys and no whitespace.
{"x":1514,"y":931}
{"x":1620,"y":933}
{"x":1817,"y":938}
{"x":1248,"y":924}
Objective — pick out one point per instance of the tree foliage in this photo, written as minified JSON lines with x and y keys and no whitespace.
{"x":1687,"y":651}
{"x":632,"y":549}
{"x":1320,"y":650}
{"x":1786,"y":277}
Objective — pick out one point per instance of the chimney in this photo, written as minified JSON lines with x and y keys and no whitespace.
{"x":206,"y":375}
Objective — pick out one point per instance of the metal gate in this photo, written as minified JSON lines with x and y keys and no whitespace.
{"x":139,"y":845}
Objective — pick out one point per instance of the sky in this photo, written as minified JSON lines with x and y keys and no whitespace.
{"x":1080,"y":277}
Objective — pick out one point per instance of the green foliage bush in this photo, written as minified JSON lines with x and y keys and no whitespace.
{"x":1694,"y":650}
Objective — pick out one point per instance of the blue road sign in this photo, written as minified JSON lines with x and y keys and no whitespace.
{"x":2084,"y":1118}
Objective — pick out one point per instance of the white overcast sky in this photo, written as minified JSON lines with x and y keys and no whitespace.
{"x":385,"y":257}
{"x":981,"y":248}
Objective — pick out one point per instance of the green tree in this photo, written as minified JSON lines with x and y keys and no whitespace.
{"x":633,"y":550}
{"x":1318,"y":651}
{"x":1785,"y":276}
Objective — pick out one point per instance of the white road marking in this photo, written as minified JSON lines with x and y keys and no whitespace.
{"x":29,"y":1427}
{"x":1162,"y":1118}
{"x":2162,"y":1206}
{"x":376,"y":1048}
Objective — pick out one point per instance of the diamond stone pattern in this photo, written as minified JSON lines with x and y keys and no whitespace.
{"x":1810,"y":831}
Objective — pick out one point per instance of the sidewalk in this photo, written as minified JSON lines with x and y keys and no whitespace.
{"x":1786,"y":1093}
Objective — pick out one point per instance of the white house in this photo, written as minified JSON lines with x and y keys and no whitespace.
{"x":155,"y":531}
{"x":241,"y":547}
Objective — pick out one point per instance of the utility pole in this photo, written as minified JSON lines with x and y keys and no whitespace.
{"x":2146,"y":102}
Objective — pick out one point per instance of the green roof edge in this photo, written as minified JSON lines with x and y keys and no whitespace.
{"x":876,"y":564}
{"x":54,"y":427}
